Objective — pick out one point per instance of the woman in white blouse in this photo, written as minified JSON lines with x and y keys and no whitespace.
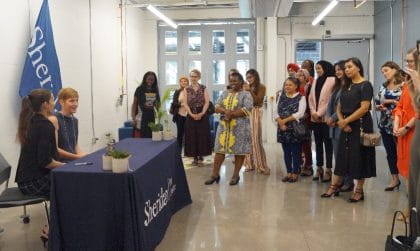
{"x":290,"y":109}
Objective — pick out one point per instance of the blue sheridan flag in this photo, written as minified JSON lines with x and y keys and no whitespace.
{"x":41,"y":69}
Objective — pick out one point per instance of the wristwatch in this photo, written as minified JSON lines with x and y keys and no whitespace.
{"x":407,"y":127}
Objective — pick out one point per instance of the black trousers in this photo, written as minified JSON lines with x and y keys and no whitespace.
{"x":180,"y":126}
{"x":322,"y":138}
{"x":391,"y":151}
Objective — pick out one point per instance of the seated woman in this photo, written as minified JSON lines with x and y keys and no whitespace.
{"x":38,"y":153}
{"x":234,"y":132}
{"x":67,"y":126}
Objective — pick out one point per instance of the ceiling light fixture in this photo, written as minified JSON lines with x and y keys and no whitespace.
{"x":325,"y":12}
{"x":360,"y":4}
{"x":160,"y":15}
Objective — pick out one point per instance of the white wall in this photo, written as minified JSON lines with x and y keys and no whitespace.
{"x":71,"y":27}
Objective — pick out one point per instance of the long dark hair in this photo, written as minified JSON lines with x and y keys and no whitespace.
{"x":143,"y":84}
{"x":356,"y":62}
{"x":31,"y":104}
{"x":257,"y":83}
{"x":399,"y":74}
{"x":328,"y":69}
{"x":338,"y":82}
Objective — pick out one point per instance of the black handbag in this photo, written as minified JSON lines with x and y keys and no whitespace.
{"x":300,"y":130}
{"x":403,"y":242}
{"x":211,"y":109}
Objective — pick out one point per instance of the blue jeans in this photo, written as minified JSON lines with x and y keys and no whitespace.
{"x":292,"y":156}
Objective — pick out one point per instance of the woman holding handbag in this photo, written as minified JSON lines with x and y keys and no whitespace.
{"x":291,"y":108}
{"x":356,"y":160}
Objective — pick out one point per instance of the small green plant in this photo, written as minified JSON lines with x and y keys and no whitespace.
{"x":155,"y":127}
{"x":160,"y":112}
{"x":109,"y":145}
{"x":117,"y":154}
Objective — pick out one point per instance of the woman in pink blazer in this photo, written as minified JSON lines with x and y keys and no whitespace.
{"x":319,"y":98}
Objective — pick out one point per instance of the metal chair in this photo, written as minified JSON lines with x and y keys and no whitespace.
{"x":13,"y":197}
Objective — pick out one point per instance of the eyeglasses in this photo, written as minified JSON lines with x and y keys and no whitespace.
{"x":409,"y":61}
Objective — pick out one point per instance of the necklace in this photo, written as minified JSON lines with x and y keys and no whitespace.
{"x":66,"y":133}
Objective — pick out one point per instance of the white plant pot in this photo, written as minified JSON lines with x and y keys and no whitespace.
{"x":157,"y":136}
{"x":106,"y":163}
{"x":120,"y":165}
{"x":167,"y":135}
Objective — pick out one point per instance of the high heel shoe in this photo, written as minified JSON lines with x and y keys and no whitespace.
{"x":334,"y":191}
{"x":293,"y":179}
{"x":234,"y":180}
{"x":44,"y":240}
{"x":328,"y":175}
{"x":388,"y":189}
{"x":319,"y":174}
{"x":212,"y":180}
{"x":353,"y":197}
{"x":307,"y":171}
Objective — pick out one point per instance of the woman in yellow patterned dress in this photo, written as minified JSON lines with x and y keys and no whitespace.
{"x":234,"y":132}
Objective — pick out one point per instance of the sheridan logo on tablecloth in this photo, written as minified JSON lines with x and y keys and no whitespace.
{"x":152,"y":210}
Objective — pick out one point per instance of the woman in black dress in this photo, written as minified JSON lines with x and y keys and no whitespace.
{"x":356,"y":160}
{"x":146,"y":98}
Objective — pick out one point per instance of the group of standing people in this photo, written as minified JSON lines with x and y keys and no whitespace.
{"x":337,"y":109}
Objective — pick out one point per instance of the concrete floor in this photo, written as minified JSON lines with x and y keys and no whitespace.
{"x":261,"y":213}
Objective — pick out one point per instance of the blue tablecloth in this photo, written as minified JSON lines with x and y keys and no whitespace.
{"x":92,"y":209}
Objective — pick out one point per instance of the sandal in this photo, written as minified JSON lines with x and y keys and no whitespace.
{"x":355,"y":195}
{"x":319,"y":174}
{"x":307,"y":171}
{"x":266,"y":172}
{"x":335,"y":190}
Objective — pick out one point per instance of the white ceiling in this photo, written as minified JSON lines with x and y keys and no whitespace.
{"x":257,"y":8}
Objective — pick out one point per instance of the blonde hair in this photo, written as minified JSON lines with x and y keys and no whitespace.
{"x":196,"y":71}
{"x":67,"y":93}
{"x":183,"y":77}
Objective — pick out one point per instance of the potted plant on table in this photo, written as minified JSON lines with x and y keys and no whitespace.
{"x":120,"y":161}
{"x":160,"y":111}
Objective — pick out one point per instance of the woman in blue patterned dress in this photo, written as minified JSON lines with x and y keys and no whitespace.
{"x":291,"y":107}
{"x":234,"y":130}
{"x":386,"y":101}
